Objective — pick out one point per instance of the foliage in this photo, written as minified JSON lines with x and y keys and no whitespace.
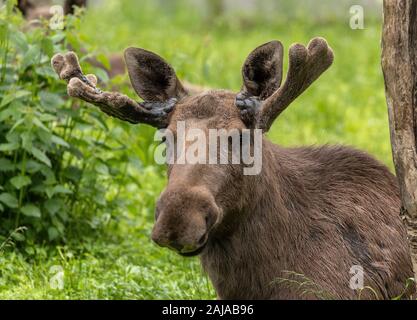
{"x":63,"y":166}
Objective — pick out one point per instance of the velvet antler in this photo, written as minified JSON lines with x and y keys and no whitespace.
{"x":112,"y":103}
{"x":306,"y":64}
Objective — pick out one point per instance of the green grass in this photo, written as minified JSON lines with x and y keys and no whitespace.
{"x":345,"y":106}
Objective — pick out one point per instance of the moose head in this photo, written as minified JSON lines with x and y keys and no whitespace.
{"x":201,"y":200}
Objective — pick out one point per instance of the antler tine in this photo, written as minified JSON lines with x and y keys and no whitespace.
{"x":305,"y":66}
{"x":112,"y":103}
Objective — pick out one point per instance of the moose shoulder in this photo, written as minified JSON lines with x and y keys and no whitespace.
{"x":310,"y":215}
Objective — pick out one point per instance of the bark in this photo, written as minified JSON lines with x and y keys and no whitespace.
{"x":399,"y":65}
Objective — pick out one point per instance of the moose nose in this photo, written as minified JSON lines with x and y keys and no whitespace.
{"x":173,"y":244}
{"x":184,"y":218}
{"x":182,"y":234}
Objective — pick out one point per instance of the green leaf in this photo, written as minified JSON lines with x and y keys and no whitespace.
{"x":20,"y":181}
{"x":39,"y":124}
{"x":6,"y":165}
{"x":17,"y":123}
{"x":57,"y":37}
{"x":49,"y":175}
{"x":58,"y":224}
{"x":13,"y":137}
{"x":7,"y":113}
{"x":30,"y":251}
{"x":73,"y":173}
{"x":45,"y":137}
{"x":101,"y":74}
{"x":100,"y":120}
{"x":102,"y":169}
{"x":9,"y":146}
{"x":63,"y":214}
{"x":40,"y":188}
{"x":62,"y":189}
{"x":19,"y":40}
{"x":51,"y":191}
{"x":48,"y":46}
{"x":6,"y":100}
{"x":32,"y":56}
{"x":40,"y":155}
{"x":76,"y":152}
{"x":104,"y":60}
{"x":14,"y":96}
{"x":9,"y":200}
{"x":18,"y":236}
{"x":73,"y":41}
{"x":27,"y":138}
{"x":31,"y":210}
{"x":50,"y":101}
{"x":53,"y":205}
{"x":100,"y":199}
{"x":53,"y":233}
{"x":33,"y":166}
{"x":45,"y":117}
{"x":59,"y":141}
{"x":46,"y":71}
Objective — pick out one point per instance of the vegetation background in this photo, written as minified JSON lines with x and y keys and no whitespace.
{"x":77,"y":189}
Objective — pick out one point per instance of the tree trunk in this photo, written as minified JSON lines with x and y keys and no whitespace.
{"x":399,"y":65}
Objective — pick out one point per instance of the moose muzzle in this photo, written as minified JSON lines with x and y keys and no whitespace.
{"x":184,"y":219}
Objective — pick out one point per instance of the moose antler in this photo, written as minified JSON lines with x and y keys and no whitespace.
{"x":305,"y":66}
{"x":112,"y":103}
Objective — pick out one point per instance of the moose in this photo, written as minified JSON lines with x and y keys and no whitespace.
{"x":314,"y":212}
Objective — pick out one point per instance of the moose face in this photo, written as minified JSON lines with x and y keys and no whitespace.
{"x":195,"y":200}
{"x":200,"y":197}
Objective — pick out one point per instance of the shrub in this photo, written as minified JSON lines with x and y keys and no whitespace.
{"x":63,"y":165}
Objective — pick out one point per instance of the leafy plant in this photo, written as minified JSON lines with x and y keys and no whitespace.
{"x":9,"y":241}
{"x":62,"y":163}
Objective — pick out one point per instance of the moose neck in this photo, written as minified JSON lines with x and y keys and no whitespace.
{"x":264,"y":226}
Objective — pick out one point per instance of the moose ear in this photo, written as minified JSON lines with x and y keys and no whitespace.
{"x":152,"y":77}
{"x":262,"y":70}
